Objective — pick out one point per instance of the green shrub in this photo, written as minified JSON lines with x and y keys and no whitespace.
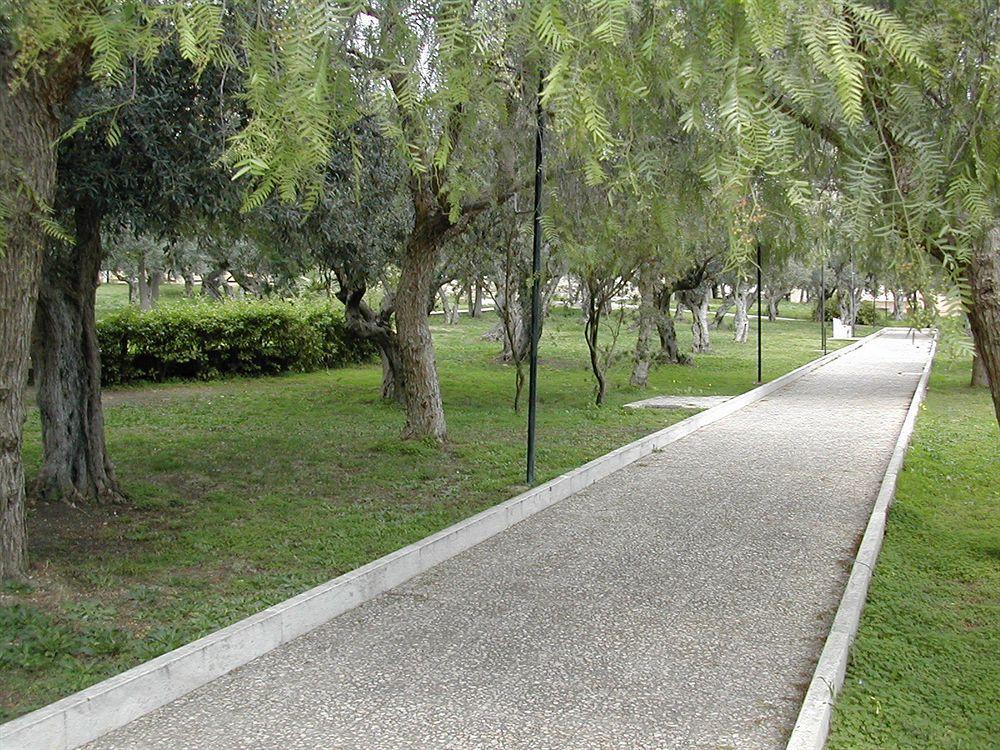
{"x":204,"y":341}
{"x":867,"y":313}
{"x":831,"y":310}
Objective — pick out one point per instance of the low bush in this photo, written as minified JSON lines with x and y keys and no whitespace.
{"x":867,"y":314}
{"x":204,"y":341}
{"x":832,"y":309}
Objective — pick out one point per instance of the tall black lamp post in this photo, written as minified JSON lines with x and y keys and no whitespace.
{"x":760,"y":358}
{"x":822,"y":302}
{"x":536,"y":273}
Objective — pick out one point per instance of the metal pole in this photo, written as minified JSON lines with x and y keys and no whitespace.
{"x":536,"y":272}
{"x":822,"y":302}
{"x":760,"y":374}
{"x":854,"y":306}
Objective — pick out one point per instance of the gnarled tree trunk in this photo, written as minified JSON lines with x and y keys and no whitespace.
{"x":665,"y":328}
{"x":741,"y":321}
{"x":720,"y":314}
{"x":29,"y":125}
{"x":696,"y":300}
{"x":364,"y":322}
{"x":76,"y":467}
{"x":774,"y":297}
{"x":421,"y":387}
{"x":647,"y":325}
{"x":983,"y":275}
{"x":211,"y":283}
{"x":849,"y":300}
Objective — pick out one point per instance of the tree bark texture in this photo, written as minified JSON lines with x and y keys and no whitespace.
{"x":848,"y":300}
{"x":145,"y":294}
{"x":980,"y":378}
{"x":365,"y":323}
{"x":719,"y":321}
{"x":591,"y":330}
{"x":76,"y":467}
{"x":666,"y":329}
{"x":741,"y":322}
{"x":647,"y":325}
{"x":29,"y":125}
{"x":983,"y":275}
{"x":696,"y":300}
{"x":421,"y":387}
{"x":477,"y":300}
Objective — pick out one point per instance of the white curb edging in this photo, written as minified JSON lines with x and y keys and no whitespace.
{"x":84,"y":716}
{"x":813,"y":723}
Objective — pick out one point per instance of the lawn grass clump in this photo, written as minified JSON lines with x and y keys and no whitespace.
{"x":925,"y":669}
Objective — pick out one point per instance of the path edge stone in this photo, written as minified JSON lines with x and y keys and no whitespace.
{"x":812,"y":727}
{"x":88,"y":714}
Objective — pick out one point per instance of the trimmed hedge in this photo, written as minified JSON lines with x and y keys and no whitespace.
{"x":200,"y":341}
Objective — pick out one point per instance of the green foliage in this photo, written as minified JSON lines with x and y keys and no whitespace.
{"x":867,"y":314}
{"x":204,"y":341}
{"x":831,"y":309}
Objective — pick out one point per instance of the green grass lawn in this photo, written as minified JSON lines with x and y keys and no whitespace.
{"x":925,"y":669}
{"x":245,"y":492}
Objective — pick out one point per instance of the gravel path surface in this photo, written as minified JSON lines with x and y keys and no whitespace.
{"x":680,"y":603}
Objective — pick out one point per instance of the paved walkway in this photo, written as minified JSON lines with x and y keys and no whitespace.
{"x":680,"y":603}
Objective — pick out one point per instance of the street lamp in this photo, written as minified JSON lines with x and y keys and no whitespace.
{"x":536,"y":273}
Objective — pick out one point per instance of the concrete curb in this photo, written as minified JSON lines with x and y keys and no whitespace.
{"x":90,"y":713}
{"x":813,"y":723}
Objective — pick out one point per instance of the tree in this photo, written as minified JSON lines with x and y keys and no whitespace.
{"x":141,"y":166}
{"x":440,"y":79}
{"x":782,"y":274}
{"x":497,"y":242}
{"x":30,"y":102}
{"x":356,"y":230}
{"x":917,"y":162}
{"x":43,"y":58}
{"x":603,"y":240}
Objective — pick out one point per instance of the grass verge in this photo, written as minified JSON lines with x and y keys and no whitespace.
{"x":925,"y":669}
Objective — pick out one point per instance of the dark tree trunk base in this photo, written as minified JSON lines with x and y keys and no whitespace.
{"x":76,"y":468}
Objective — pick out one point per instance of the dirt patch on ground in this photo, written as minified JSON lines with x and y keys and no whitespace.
{"x":148,"y":394}
{"x":57,"y":527}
